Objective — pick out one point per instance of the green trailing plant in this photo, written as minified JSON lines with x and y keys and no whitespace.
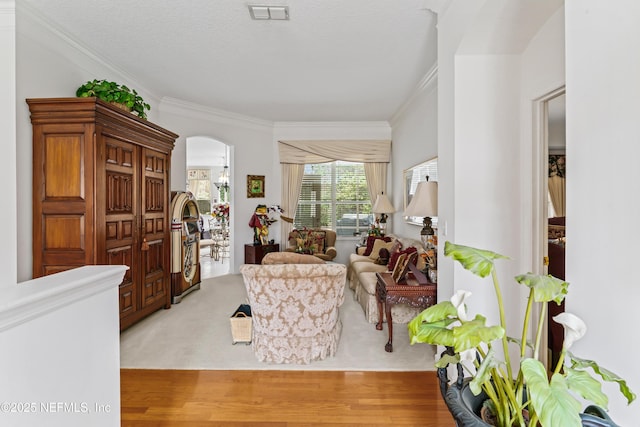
{"x":114,"y":92}
{"x":549,"y":400}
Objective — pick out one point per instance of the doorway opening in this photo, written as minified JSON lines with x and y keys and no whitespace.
{"x":209,"y":180}
{"x":549,"y":236}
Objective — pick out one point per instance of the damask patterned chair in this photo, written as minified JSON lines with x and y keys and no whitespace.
{"x":295,"y":310}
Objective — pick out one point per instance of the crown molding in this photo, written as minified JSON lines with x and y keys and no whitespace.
{"x":190,"y":109}
{"x":26,"y":10}
{"x":7,"y":9}
{"x":372,"y":124}
{"x":430,"y":79}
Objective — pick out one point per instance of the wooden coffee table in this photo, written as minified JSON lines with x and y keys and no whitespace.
{"x":415,"y":292}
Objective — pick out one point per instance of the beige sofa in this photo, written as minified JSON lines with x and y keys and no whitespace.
{"x":361,"y":274}
{"x":295,"y":310}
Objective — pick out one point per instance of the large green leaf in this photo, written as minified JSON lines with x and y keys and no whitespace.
{"x":437,"y":332}
{"x":483,"y":373}
{"x":577,"y":363}
{"x":440,"y":311}
{"x":473,"y":333}
{"x":477,"y":261}
{"x":545,"y":288}
{"x":551,"y":401}
{"x":448,"y":359}
{"x":586,"y":386}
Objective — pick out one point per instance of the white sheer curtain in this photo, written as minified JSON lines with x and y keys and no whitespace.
{"x":557,"y":192}
{"x":376,"y":174}
{"x":294,"y":154}
{"x":291,"y":183}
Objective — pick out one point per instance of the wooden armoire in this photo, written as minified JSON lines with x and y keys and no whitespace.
{"x":101,"y":196}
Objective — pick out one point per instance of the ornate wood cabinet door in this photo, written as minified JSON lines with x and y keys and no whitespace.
{"x":101,"y":196}
{"x":118,"y":176}
{"x":156,"y":243}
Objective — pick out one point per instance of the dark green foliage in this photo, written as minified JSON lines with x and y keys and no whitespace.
{"x":114,"y":92}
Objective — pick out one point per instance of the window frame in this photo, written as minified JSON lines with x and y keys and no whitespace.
{"x":333,"y":203}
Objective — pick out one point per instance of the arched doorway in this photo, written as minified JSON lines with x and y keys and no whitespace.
{"x":208,"y":179}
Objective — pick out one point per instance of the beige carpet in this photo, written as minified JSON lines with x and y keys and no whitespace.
{"x":196,"y":334}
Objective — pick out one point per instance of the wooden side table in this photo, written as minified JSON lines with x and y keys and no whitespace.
{"x":253,"y":254}
{"x":421,"y":294}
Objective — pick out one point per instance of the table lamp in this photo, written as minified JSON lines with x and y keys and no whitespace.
{"x":383,"y":207}
{"x":424,"y":203}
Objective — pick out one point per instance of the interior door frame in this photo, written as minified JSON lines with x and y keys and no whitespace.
{"x":540,"y":154}
{"x":541,"y":178}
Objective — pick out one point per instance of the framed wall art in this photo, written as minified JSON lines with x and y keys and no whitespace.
{"x":255,"y":186}
{"x":411,"y":177}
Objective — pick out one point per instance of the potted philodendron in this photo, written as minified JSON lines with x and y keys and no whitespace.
{"x":531,"y":396}
{"x":115,"y":93}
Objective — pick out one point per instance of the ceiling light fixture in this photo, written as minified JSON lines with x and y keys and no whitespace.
{"x":261,"y":12}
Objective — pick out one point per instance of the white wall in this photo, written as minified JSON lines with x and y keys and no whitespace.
{"x":487,"y":171}
{"x":452,"y":24}
{"x":66,"y":371}
{"x":602,"y":213}
{"x":415,"y":139}
{"x":250,"y":142}
{"x":8,"y":260}
{"x":485,"y":139}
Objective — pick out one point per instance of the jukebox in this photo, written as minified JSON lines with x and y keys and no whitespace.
{"x":185,"y":249}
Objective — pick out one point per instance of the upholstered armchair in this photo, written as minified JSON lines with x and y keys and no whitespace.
{"x":318,"y":242}
{"x":295,"y":310}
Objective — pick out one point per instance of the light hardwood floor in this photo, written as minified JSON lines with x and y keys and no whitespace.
{"x":174,"y":398}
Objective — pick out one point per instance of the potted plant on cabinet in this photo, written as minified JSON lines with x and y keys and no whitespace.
{"x":528,"y":397}
{"x":115,"y":93}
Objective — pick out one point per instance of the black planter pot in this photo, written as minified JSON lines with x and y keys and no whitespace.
{"x":465,"y":407}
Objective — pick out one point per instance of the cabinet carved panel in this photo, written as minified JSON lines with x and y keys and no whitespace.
{"x":63,"y":167}
{"x":100,"y":196}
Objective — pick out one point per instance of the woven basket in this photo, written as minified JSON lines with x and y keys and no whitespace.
{"x":240,"y":327}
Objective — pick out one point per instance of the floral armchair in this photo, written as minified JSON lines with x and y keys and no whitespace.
{"x":318,"y":242}
{"x":295,"y":310}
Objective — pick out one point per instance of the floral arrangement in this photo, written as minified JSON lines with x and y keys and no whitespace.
{"x":429,"y":257}
{"x":221,"y":211}
{"x":531,"y":397}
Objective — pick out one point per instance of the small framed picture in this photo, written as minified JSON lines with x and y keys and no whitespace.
{"x":402,"y":266}
{"x":255,"y":186}
{"x":397,"y":270}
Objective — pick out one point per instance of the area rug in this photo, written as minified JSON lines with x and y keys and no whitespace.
{"x":196,"y":334}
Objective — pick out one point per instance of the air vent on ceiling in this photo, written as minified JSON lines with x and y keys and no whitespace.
{"x":261,"y":12}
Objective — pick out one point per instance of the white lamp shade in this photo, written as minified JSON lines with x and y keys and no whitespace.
{"x":383,"y":205}
{"x":425,"y":201}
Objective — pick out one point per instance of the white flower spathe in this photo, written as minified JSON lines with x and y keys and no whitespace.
{"x":574,"y":328}
{"x":458,"y":302}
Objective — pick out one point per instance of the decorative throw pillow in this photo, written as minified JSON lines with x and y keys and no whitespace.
{"x":377,"y":245}
{"x":370,"y":241}
{"x":394,"y":257}
{"x":318,"y":239}
{"x":397,"y":245}
{"x":383,"y":257}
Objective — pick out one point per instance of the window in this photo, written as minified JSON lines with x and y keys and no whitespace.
{"x":199,"y":184}
{"x":334,"y":195}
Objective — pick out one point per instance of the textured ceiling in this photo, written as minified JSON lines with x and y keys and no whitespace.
{"x":333,"y":60}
